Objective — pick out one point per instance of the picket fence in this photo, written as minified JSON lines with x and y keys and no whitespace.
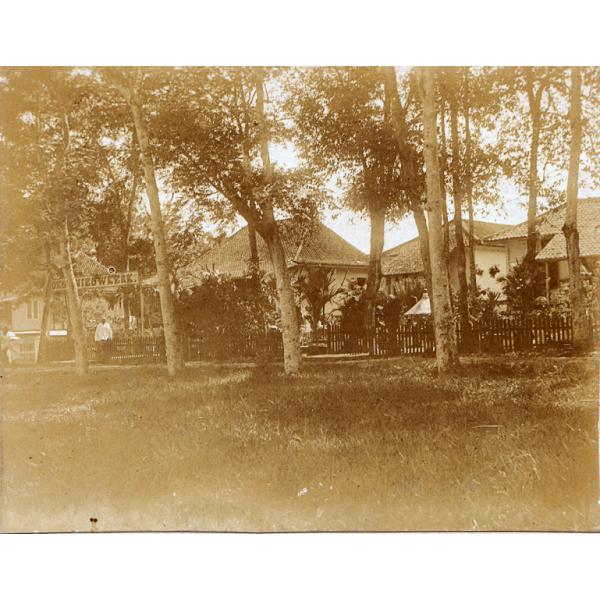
{"x":416,"y":336}
{"x":411,"y":337}
{"x":132,"y":349}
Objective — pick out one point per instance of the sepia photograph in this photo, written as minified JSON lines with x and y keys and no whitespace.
{"x":299,"y":300}
{"x":285,"y":299}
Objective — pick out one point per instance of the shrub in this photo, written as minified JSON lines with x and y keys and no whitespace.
{"x":226,"y":307}
{"x":523,"y":285}
{"x":316,"y":287}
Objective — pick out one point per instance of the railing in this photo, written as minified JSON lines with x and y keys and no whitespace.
{"x":517,"y":333}
{"x":416,"y":336}
{"x":151,"y":349}
{"x":410,"y":337}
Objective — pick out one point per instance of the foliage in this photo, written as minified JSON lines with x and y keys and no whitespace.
{"x":353,"y":308}
{"x":207,"y":144}
{"x":523,"y":285}
{"x":338,"y":116}
{"x":402,"y":298}
{"x":316,"y":287}
{"x":49,"y":170}
{"x":486,"y":305}
{"x":222,"y":306}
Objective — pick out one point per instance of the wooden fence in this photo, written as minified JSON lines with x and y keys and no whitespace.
{"x":151,"y":349}
{"x":411,"y":337}
{"x":416,"y":336}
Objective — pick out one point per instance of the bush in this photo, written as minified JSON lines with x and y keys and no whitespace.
{"x":523,"y":285}
{"x":227,"y":308}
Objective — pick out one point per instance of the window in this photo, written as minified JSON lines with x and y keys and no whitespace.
{"x":33,"y":309}
{"x":553,"y":275}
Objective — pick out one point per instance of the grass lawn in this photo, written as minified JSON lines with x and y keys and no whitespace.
{"x":510,"y":443}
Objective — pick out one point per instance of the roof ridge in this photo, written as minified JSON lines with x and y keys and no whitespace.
{"x":541,"y":219}
{"x":400,"y":245}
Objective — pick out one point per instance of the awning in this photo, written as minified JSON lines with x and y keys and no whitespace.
{"x":422,"y":307}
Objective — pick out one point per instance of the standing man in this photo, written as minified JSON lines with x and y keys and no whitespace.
{"x":4,"y":350}
{"x":102,"y":336}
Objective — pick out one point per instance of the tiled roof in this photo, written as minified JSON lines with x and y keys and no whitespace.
{"x":589,"y":241}
{"x":483,"y":229}
{"x":318,"y":245}
{"x":405,"y":259}
{"x":551,"y":221}
{"x":86,"y":266}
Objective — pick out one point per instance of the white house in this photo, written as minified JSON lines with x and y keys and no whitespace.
{"x":22,"y":312}
{"x":402,"y":265}
{"x":552,"y":251}
{"x":316,"y":246}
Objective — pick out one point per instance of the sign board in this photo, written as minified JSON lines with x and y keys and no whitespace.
{"x":100,"y":281}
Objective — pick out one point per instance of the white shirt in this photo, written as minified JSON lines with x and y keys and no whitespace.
{"x":103,"y":332}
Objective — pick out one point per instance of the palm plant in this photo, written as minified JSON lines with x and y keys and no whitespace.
{"x":316,"y":287}
{"x":522,"y":285}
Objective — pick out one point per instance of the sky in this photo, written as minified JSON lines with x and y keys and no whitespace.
{"x":355,"y":228}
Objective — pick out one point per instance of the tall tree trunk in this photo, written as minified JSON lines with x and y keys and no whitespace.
{"x":128,"y":220}
{"x":421,"y":224}
{"x":443,"y":169}
{"x":290,"y":329}
{"x":533,"y":187}
{"x":457,"y":192}
{"x":534,"y":99}
{"x":377,"y":221}
{"x":73,"y":302}
{"x":445,"y":333}
{"x":571,"y":233}
{"x":41,"y":357}
{"x":292,"y":356}
{"x":254,"y":265}
{"x":469,"y":193}
{"x":167,"y":305}
{"x":409,"y":166}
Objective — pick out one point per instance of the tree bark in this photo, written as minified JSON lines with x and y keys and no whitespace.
{"x":421,"y":223}
{"x":292,"y":356}
{"x":445,"y":333}
{"x":254,"y":265}
{"x":534,"y":99}
{"x":41,"y":358}
{"x":443,"y":169}
{"x":457,"y":192}
{"x":377,"y":221}
{"x":469,"y":194}
{"x":73,"y":303}
{"x":167,"y":305}
{"x":570,"y":231}
{"x":406,"y":153}
{"x":128,"y":221}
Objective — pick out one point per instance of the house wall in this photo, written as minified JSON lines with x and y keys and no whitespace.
{"x":487,"y":257}
{"x":27,"y":316}
{"x":515,"y":251}
{"x":563,"y":270}
{"x":343,"y":278}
